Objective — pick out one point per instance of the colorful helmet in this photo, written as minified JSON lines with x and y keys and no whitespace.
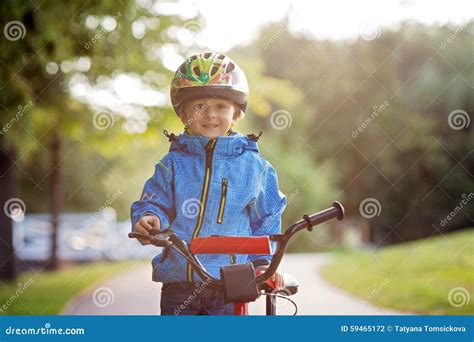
{"x":209,"y":75}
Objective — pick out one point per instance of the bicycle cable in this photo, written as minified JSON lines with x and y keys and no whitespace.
{"x":288,"y":299}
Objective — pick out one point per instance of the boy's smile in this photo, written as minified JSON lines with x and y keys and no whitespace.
{"x":209,"y":117}
{"x":210,"y":126}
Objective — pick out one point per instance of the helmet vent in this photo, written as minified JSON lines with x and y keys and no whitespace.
{"x":230,"y":67}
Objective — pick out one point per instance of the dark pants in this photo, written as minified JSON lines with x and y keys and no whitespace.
{"x":186,"y":298}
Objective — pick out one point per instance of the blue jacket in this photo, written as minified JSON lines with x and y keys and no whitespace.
{"x":206,"y":187}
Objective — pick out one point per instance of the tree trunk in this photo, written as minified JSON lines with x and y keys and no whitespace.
{"x":56,"y":200}
{"x":9,"y":187}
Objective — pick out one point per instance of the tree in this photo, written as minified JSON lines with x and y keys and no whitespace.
{"x":380,"y":116}
{"x":44,"y":50}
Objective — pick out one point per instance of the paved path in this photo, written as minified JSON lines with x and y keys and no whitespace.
{"x":133,"y":293}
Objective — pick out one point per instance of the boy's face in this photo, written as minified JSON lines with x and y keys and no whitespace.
{"x":209,"y":117}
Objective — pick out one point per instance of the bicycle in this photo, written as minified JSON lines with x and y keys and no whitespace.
{"x":240,"y":282}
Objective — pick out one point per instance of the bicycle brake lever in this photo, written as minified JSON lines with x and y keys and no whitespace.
{"x":160,"y":238}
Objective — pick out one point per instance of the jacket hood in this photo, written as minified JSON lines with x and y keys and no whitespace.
{"x":226,"y":146}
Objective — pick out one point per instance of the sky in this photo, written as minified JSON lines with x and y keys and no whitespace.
{"x":228,"y":23}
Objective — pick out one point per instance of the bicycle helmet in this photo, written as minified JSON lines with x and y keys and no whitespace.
{"x":209,"y":75}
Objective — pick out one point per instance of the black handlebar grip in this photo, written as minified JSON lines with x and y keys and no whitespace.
{"x":336,"y":211}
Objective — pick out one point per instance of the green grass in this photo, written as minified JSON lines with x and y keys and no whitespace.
{"x":46,"y":293}
{"x":414,"y":277}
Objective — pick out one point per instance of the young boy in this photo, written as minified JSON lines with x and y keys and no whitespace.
{"x":213,"y":181}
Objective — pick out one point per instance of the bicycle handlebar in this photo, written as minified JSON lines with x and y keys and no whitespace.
{"x":167,"y":238}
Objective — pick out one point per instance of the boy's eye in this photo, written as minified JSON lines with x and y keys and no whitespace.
{"x":221,"y":106}
{"x":199,"y":106}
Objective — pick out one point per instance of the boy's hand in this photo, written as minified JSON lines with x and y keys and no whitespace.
{"x":277,"y":277}
{"x":145,"y":224}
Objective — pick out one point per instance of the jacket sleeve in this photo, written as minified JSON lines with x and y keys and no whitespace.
{"x":157,"y":197}
{"x":266,"y":210}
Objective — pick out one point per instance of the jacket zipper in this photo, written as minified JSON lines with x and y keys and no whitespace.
{"x":223,"y":198}
{"x":232,"y":259}
{"x":205,"y":191}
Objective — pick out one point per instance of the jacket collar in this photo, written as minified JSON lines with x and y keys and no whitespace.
{"x":226,"y":146}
